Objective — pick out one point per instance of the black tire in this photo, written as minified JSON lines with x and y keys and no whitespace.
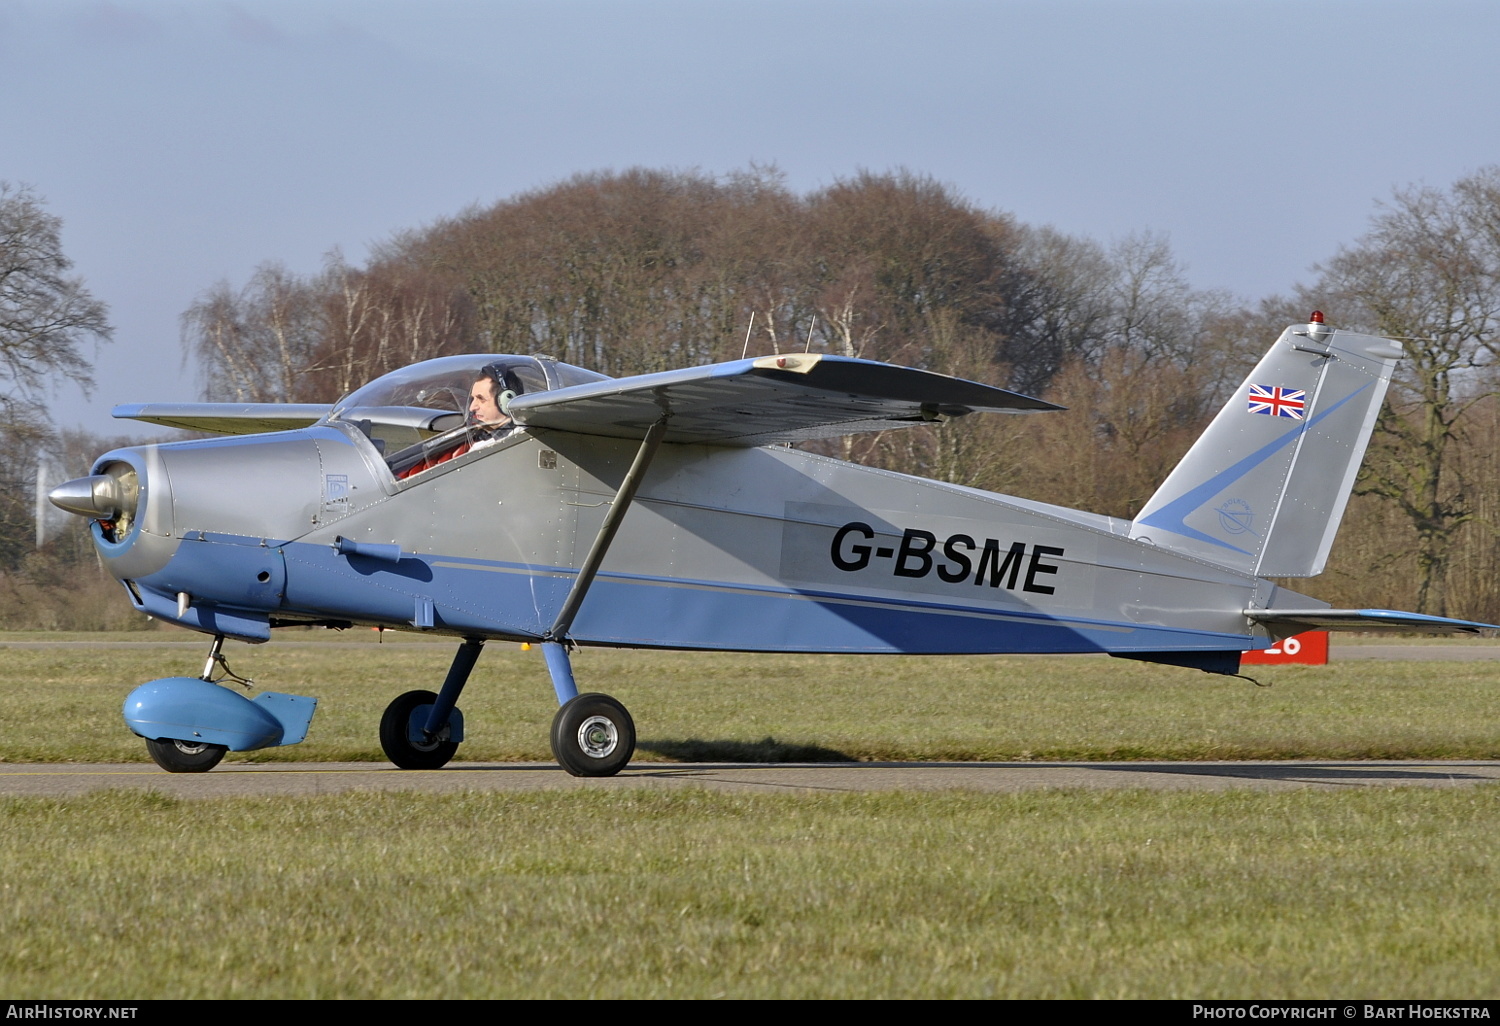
{"x":593,"y":736}
{"x":399,"y":748}
{"x":185,"y":756}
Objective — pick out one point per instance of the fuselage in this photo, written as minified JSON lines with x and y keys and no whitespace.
{"x":723,"y":548}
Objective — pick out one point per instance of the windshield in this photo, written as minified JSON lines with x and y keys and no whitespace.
{"x":417,"y":403}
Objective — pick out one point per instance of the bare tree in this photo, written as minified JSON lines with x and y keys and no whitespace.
{"x":1060,"y":306}
{"x":45,"y":315}
{"x":1428,"y":274}
{"x":258,"y":343}
{"x":381,"y":319}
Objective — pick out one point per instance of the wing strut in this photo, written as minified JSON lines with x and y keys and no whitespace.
{"x":607,"y":530}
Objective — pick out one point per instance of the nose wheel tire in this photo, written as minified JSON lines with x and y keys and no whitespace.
{"x":396,"y":733}
{"x":593,"y":736}
{"x":185,"y":756}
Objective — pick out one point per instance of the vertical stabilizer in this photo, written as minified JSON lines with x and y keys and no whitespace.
{"x":1264,"y":488}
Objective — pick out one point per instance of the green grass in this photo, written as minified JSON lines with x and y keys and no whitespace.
{"x":63,"y":704}
{"x":688,"y":893}
{"x":1374,"y":893}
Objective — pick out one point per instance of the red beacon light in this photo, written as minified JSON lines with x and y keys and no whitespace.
{"x":1316,"y":318}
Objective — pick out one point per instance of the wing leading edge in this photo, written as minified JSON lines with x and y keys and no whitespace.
{"x":225,"y":418}
{"x":767,"y":400}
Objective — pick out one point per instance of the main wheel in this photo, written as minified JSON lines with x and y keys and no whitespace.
{"x":395,"y":735}
{"x":593,"y":736}
{"x":185,"y":756}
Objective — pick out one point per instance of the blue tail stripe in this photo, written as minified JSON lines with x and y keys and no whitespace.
{"x":1171,"y":516}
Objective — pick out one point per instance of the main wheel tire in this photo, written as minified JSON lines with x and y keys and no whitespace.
{"x":185,"y":756}
{"x":395,"y":735}
{"x":593,"y":736}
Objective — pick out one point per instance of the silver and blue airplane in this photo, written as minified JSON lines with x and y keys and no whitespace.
{"x":669,"y":510}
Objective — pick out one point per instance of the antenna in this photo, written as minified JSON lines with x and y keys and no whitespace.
{"x":746,"y":351}
{"x":808,"y":348}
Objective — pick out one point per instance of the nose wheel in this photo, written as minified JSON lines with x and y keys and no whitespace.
{"x":185,"y":756}
{"x":593,"y":736}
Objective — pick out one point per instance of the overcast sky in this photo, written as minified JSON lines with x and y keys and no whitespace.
{"x":186,"y":142}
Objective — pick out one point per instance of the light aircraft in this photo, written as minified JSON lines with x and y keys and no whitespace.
{"x":669,"y":511}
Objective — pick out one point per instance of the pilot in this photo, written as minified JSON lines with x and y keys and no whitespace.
{"x":487,"y":420}
{"x":489,"y":397}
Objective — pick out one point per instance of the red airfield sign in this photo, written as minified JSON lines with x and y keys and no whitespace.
{"x":1310,"y":649}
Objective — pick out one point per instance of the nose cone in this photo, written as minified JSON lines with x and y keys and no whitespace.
{"x":128,"y":498}
{"x":96,"y":496}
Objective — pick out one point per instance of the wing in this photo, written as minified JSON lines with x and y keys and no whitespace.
{"x":1294,"y":621}
{"x":767,"y":400}
{"x":225,"y":418}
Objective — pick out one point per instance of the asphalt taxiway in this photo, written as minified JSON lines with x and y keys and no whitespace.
{"x":295,"y":779}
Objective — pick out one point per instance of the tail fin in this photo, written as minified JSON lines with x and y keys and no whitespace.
{"x":1264,"y":488}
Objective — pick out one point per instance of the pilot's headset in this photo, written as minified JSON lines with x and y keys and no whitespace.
{"x":507,"y":385}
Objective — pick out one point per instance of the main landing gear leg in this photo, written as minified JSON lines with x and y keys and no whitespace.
{"x":592,"y":735}
{"x":421,"y":730}
{"x":561,"y":669}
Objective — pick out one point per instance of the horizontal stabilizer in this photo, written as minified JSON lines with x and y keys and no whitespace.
{"x":1284,"y":622}
{"x":225,"y":418}
{"x":765,"y":401}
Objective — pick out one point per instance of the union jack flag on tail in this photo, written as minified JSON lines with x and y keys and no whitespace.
{"x":1275,"y":401}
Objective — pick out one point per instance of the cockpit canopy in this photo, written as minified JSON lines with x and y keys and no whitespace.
{"x":412,"y":405}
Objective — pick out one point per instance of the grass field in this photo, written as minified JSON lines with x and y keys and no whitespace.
{"x":1360,"y":893}
{"x":63,"y":704}
{"x":1357,"y":894}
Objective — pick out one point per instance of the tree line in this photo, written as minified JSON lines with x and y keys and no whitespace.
{"x":643,"y":270}
{"x":638,"y":271}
